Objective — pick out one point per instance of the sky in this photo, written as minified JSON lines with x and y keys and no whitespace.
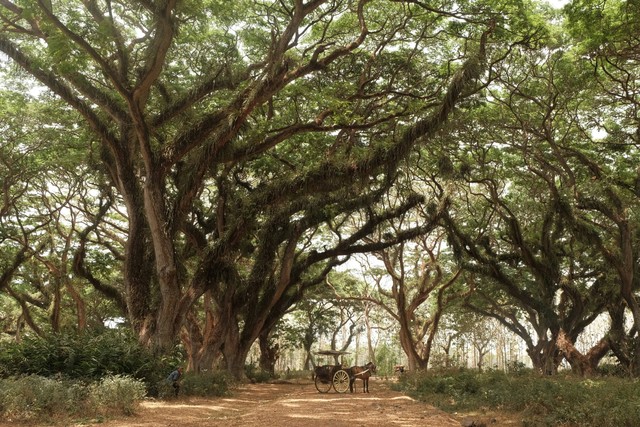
{"x":558,"y":3}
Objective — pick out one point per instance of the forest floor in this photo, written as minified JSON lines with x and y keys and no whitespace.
{"x":289,"y":404}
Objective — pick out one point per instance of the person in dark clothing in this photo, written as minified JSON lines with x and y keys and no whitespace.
{"x":174,"y":379}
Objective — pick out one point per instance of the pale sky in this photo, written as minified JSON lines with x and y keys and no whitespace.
{"x":558,"y":3}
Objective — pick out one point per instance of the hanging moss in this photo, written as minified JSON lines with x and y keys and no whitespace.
{"x":445,"y":167}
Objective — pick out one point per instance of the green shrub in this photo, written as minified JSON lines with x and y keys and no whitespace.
{"x":33,"y":397}
{"x":205,"y":384}
{"x":303,"y":374}
{"x":117,"y":393}
{"x":458,"y":383}
{"x":87,"y":357}
{"x":612,"y":370}
{"x":518,"y":368}
{"x":256,"y":374}
{"x":542,"y":400}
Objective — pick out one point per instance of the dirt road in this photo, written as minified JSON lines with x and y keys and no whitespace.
{"x":289,"y":405}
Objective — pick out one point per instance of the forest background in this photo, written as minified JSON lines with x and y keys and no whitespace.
{"x":229,"y":177}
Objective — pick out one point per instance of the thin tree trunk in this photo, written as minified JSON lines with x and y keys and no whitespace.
{"x":81,"y":311}
{"x":269,"y":353}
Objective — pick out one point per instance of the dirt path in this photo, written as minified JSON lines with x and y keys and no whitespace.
{"x":289,"y":405}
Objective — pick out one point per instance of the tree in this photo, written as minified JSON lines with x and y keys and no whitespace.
{"x":38,"y":217}
{"x":521,"y":175}
{"x":308,"y":322}
{"x":607,"y":214}
{"x":232,"y":132}
{"x":413,"y":282}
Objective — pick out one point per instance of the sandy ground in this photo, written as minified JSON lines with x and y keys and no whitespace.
{"x":289,"y":405}
{"x":292,"y":404}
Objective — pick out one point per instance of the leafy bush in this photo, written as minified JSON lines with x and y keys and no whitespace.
{"x":204,"y":384}
{"x":303,"y":374}
{"x":34,"y":397}
{"x":457,"y":383}
{"x":256,"y":374}
{"x":518,"y":368}
{"x":88,"y":357}
{"x":117,"y":393}
{"x":542,"y":400}
{"x":612,"y":370}
{"x":39,"y":399}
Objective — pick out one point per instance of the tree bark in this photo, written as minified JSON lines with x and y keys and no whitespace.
{"x":269,"y":353}
{"x":582,"y":364}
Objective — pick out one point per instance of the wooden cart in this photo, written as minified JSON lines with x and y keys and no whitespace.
{"x":328,"y":376}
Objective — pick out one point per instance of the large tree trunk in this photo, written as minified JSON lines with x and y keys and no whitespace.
{"x":235,"y":352}
{"x":202,"y":343}
{"x":137,"y":268}
{"x":414,"y":360}
{"x":619,"y":339}
{"x":544,"y":357}
{"x":626,"y":266}
{"x":167,"y":321}
{"x":582,"y":364}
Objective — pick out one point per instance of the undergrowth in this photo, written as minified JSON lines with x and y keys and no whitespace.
{"x":539,"y":400}
{"x":90,"y":376}
{"x":35,"y":398}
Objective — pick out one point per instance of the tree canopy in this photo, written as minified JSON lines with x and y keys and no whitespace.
{"x":199,"y":167}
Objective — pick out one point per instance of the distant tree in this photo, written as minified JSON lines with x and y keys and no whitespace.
{"x":413,"y":282}
{"x":306,"y":324}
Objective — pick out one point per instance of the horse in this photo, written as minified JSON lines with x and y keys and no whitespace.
{"x":362,"y":372}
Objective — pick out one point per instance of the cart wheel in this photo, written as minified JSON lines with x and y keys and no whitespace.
{"x":341,"y":381}
{"x":322,"y":385}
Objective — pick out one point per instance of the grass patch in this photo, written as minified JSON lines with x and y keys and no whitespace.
{"x":541,"y":400}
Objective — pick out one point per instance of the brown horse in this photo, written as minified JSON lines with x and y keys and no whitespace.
{"x":363,"y":373}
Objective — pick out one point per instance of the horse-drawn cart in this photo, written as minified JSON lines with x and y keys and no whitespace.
{"x":327,"y":376}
